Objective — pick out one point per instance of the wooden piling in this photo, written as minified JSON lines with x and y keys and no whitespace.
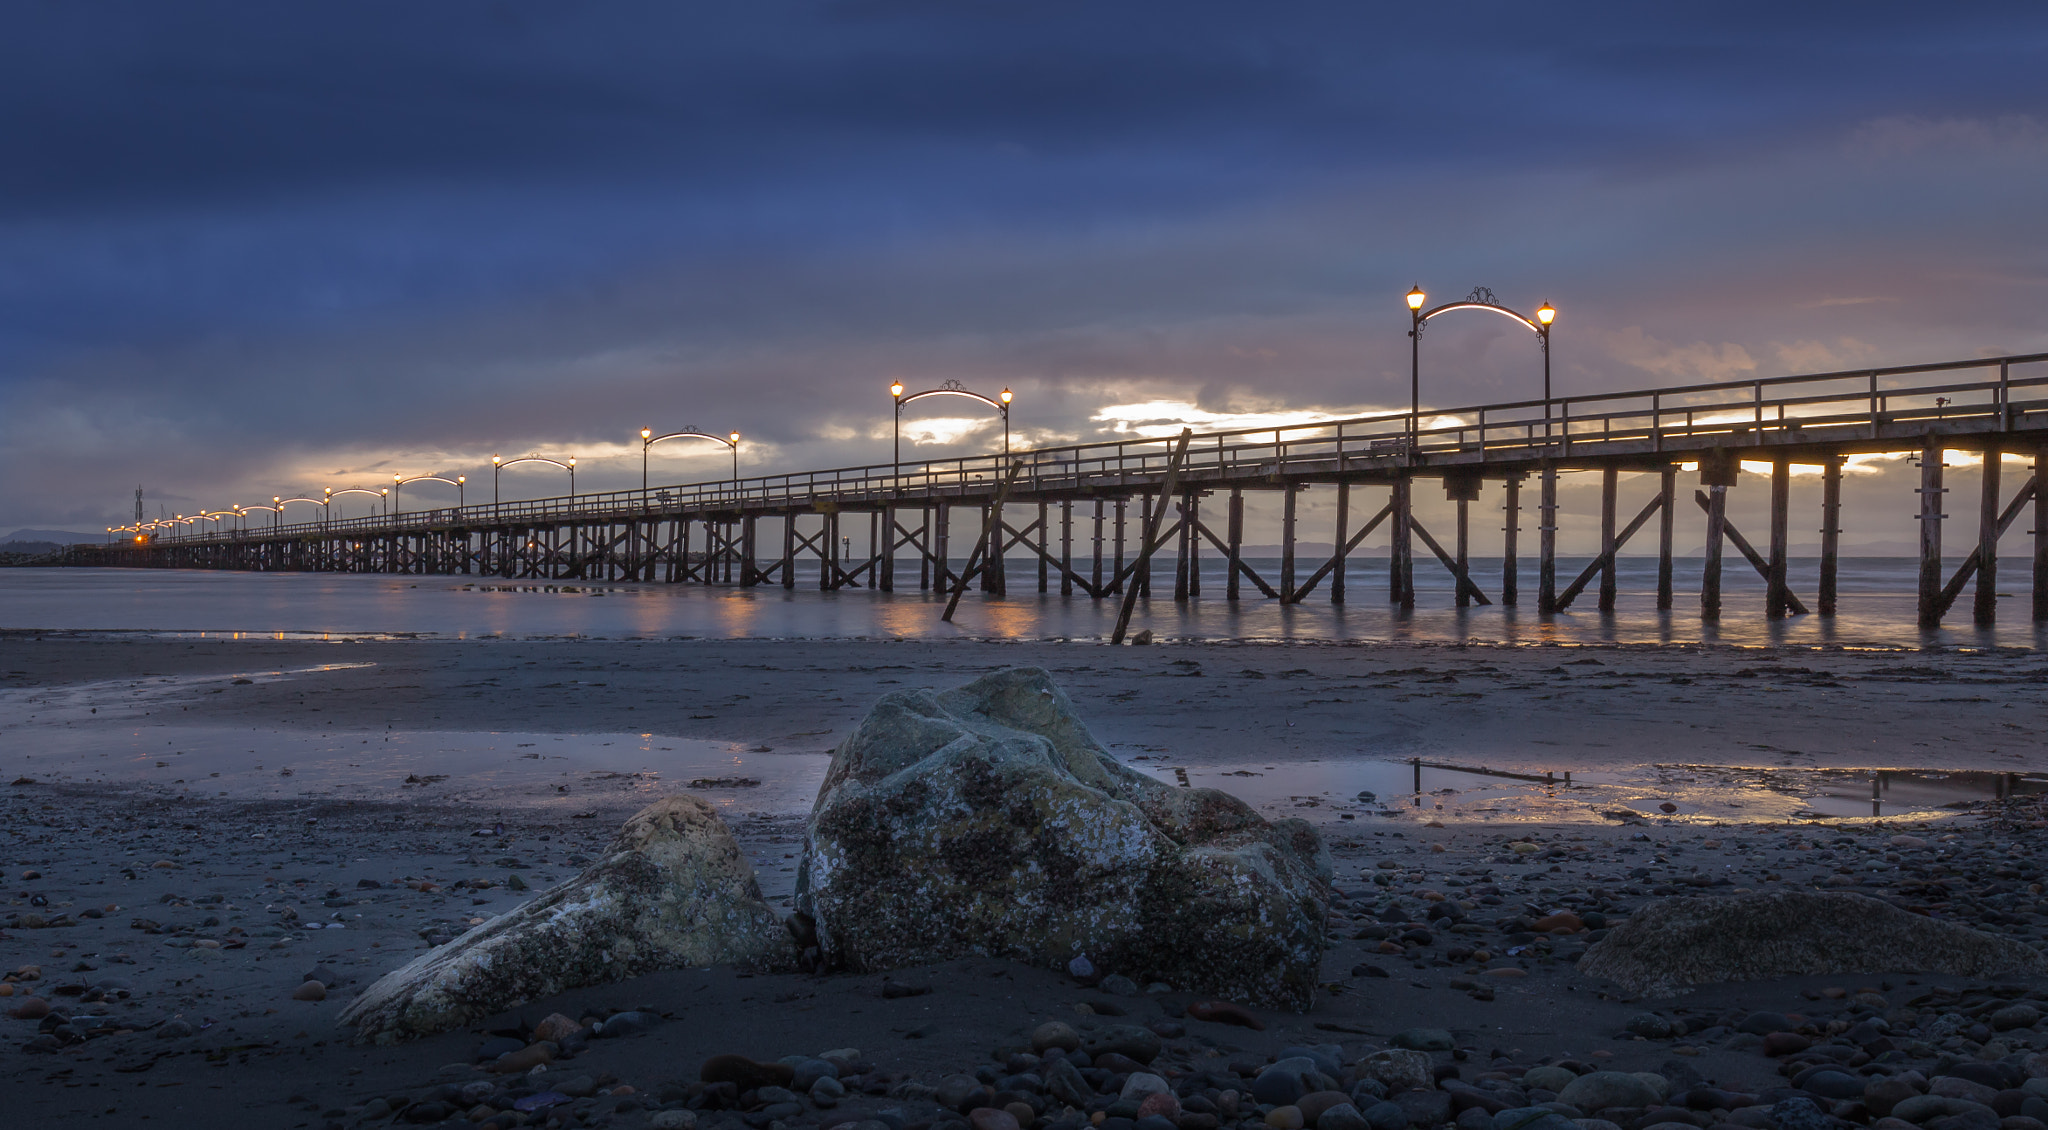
{"x":2041,"y":534}
{"x":1287,"y":545}
{"x":1066,"y":547}
{"x":1775,"y":588}
{"x":1192,"y":516}
{"x":1095,"y":579}
{"x":1342,"y":544}
{"x":1546,"y":539}
{"x":1403,"y":562}
{"x":1710,"y":573}
{"x":1463,"y":552}
{"x":1116,"y":571}
{"x":1510,"y":581}
{"x":1044,"y":533}
{"x":1930,"y":492}
{"x":1236,"y":539}
{"x":1668,"y":490}
{"x":1610,"y":487}
{"x":942,"y":568}
{"x":1985,"y":614}
{"x":788,"y":549}
{"x":1830,"y":533}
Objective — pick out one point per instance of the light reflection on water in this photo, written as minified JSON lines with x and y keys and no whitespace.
{"x":1877,"y":609}
{"x":1367,"y":792}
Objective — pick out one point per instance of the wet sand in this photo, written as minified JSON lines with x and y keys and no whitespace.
{"x":191,"y":889}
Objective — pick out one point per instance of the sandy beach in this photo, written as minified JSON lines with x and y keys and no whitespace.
{"x":170,"y":926}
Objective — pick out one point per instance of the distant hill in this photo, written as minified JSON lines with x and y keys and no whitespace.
{"x":61,"y":537}
{"x":31,"y":548}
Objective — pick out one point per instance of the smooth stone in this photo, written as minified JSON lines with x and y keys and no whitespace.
{"x":1881,"y":1094}
{"x":1835,"y":1086}
{"x":1063,"y":1081}
{"x":744,"y":1073}
{"x":1926,"y":1108}
{"x":1313,"y":1104}
{"x":1118,"y":985}
{"x":826,"y":1091}
{"x":1343,"y":1116}
{"x":1423,"y":1040}
{"x":1159,"y":1104}
{"x":806,"y":1073}
{"x":1140,"y":1044}
{"x":1798,"y":1113}
{"x":1284,"y":1081}
{"x":1425,"y":1108}
{"x":555,"y":1027}
{"x":1285,"y":1118}
{"x":1471,"y":1118}
{"x":1141,"y":1083}
{"x":1329,"y":1058}
{"x":989,"y":1118}
{"x":1549,"y":1078}
{"x":1055,"y":1034}
{"x":1599,"y":1090}
{"x":1531,"y":1118}
{"x":1153,"y":1122}
{"x":310,"y":991}
{"x":1384,"y":1115}
{"x":1399,"y":1069}
{"x":1957,"y":1087}
{"x":2015,"y":1016}
{"x":1671,"y":944}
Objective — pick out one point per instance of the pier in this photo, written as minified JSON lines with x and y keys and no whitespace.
{"x":1130,"y":518}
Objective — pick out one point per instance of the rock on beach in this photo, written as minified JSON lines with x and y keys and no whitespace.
{"x":987,"y":820}
{"x":673,"y":891}
{"x":1675,"y":943}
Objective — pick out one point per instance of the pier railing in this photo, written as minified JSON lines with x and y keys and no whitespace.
{"x":1980,"y":396}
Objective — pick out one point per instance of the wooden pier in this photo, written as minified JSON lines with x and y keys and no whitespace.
{"x":1107,"y":519}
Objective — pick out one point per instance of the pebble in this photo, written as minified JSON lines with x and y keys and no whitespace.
{"x":1285,"y":1118}
{"x":989,"y":1118}
{"x":310,"y":991}
{"x":744,"y":1073}
{"x":1055,"y":1034}
{"x":1423,"y":1040}
{"x":826,"y":1091}
{"x":525,"y":1059}
{"x":673,"y":1120}
{"x":34,"y":1008}
{"x":555,"y":1027}
{"x":1223,"y":1012}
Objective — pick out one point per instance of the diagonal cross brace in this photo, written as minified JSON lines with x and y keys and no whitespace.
{"x":1150,"y":541}
{"x":1572,"y":591}
{"x":974,"y":560}
{"x":1971,"y":563}
{"x":1250,"y":574}
{"x":1302,"y":590}
{"x":1464,"y":582}
{"x":1756,"y":560}
{"x":1049,"y":559}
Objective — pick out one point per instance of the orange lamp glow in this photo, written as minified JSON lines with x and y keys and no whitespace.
{"x":1416,"y":298}
{"x":1006,"y":396}
{"x":1545,"y":314}
{"x":896,"y":388}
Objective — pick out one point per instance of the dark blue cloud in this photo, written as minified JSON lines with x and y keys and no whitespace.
{"x":210,"y":212}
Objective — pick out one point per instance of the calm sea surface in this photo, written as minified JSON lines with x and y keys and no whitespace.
{"x":1876,"y":609}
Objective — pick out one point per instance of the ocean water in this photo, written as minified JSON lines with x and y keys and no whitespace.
{"x":1876,"y":608}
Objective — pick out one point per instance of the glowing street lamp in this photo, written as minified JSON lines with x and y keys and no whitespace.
{"x":499,"y":463}
{"x":649,"y":439}
{"x":457,"y":482}
{"x":1480,"y":299}
{"x":1001,"y":403}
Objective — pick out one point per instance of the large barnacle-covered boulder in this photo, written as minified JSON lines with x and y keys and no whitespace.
{"x":673,"y":891}
{"x":986,"y":820}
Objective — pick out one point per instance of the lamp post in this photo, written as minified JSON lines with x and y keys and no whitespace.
{"x":1481,"y":298}
{"x":1000,"y":402}
{"x":498,"y":463}
{"x":461,"y":493}
{"x":649,"y":439}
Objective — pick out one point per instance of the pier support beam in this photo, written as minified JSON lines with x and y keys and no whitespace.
{"x":1510,"y":583}
{"x":1236,"y":542}
{"x":1287,"y":543}
{"x":1341,"y":545}
{"x":1667,"y":488}
{"x":1401,"y":564}
{"x":2040,"y":534}
{"x":1775,"y":588}
{"x":1610,"y":486}
{"x":1930,"y":492}
{"x":1546,"y":540}
{"x":1985,"y":614}
{"x":1066,"y":547}
{"x":1830,"y":533}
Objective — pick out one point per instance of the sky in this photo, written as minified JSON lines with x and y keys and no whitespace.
{"x":255,"y":249}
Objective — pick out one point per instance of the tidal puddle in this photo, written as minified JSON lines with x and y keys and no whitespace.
{"x":572,"y":771}
{"x":1362,"y":791}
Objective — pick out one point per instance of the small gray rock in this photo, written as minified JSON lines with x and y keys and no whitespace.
{"x":826,"y":1091}
{"x":1531,"y":1118}
{"x":1798,"y":1113}
{"x":1343,"y":1116}
{"x":1599,"y":1090}
{"x":1552,"y":1079}
{"x":1424,"y":1040}
{"x":1118,"y":985}
{"x":1389,"y":1116}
